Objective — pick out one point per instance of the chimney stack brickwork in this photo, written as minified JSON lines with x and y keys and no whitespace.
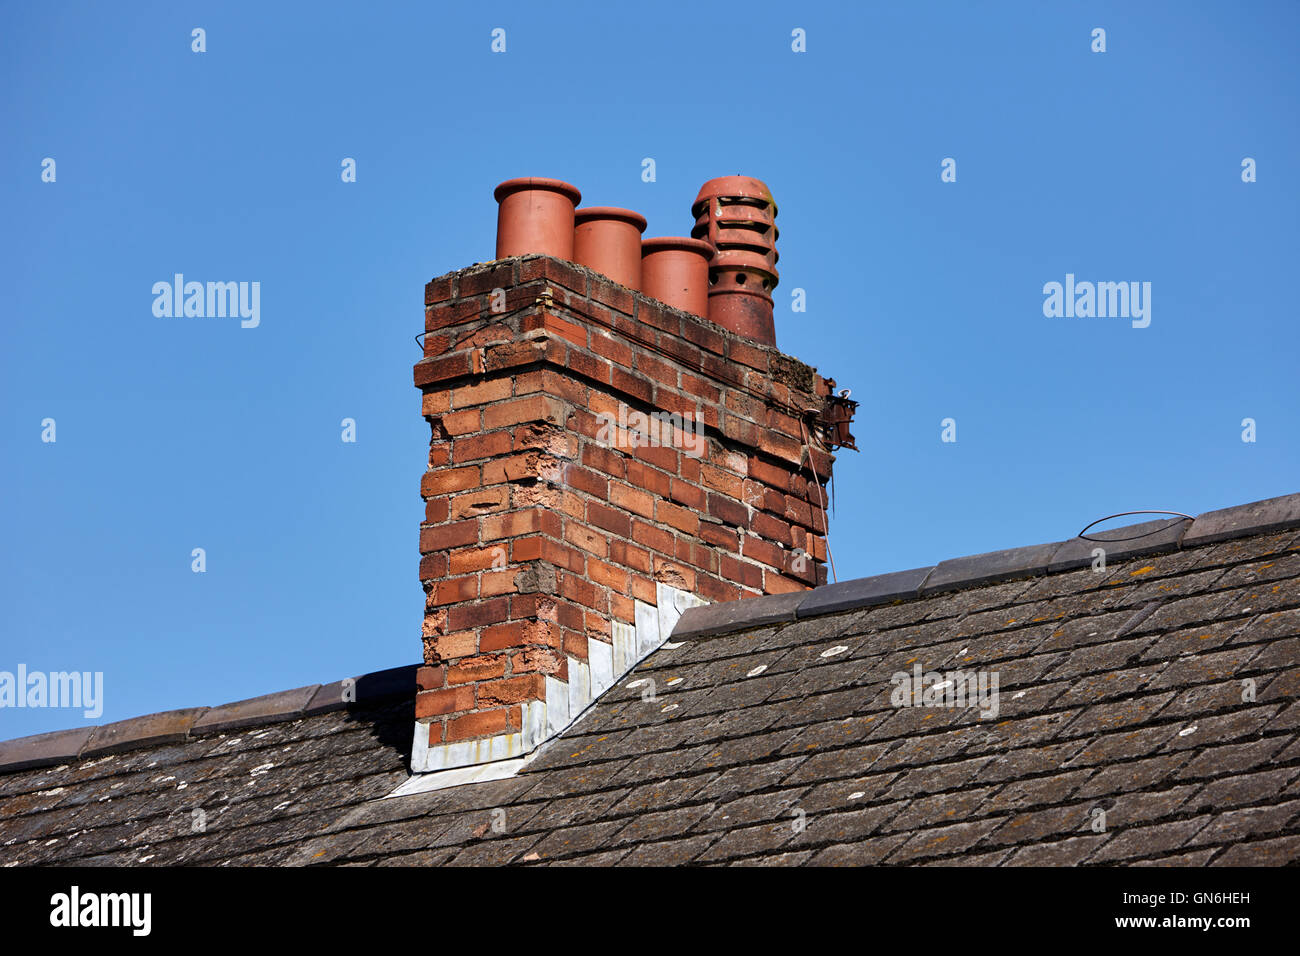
{"x":545,"y":528}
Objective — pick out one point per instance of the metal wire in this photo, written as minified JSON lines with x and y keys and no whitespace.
{"x":821,"y":493}
{"x":1134,"y":537}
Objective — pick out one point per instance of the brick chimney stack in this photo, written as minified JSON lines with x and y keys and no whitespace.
{"x":598,"y":462}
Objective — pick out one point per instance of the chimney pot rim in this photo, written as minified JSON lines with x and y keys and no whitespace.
{"x":683,"y":243}
{"x":593,"y":213}
{"x":537,"y":182}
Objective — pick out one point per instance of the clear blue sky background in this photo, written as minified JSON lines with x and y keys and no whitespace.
{"x":923,"y":297}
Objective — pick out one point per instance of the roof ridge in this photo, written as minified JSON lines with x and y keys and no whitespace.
{"x":995,"y":567}
{"x":192,"y":723}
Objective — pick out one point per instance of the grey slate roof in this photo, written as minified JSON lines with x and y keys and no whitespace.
{"x":1161,"y":691}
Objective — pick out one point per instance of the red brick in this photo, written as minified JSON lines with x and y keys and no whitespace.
{"x":703,"y":336}
{"x":450,"y":647}
{"x":539,"y":659}
{"x":494,"y":583}
{"x":475,"y":503}
{"x":517,"y":467}
{"x":629,"y":555}
{"x":513,"y":524}
{"x":662,"y":457}
{"x":436,"y":510}
{"x":568,"y":614}
{"x":762,"y":551}
{"x":662,"y":372}
{"x":635,"y":386}
{"x":533,"y":408}
{"x":429,"y":678}
{"x":641,"y":475}
{"x":700,"y":388}
{"x":712,"y":589}
{"x":674,"y":573}
{"x":480,"y":667}
{"x":575,"y":644}
{"x":434,"y":403}
{"x":773,"y":529}
{"x":502,"y":637}
{"x":557,"y":326}
{"x":719,"y":536}
{"x":643,"y":589}
{"x":482,"y":724}
{"x":588,"y":366}
{"x":603,"y":459}
{"x":511,"y":690}
{"x":622,"y":608}
{"x":654,"y":538}
{"x":478,"y":615}
{"x":613,"y":295}
{"x":435,"y":703}
{"x":609,"y":519}
{"x":444,"y":481}
{"x":456,"y":589}
{"x":556,"y":270}
{"x":480,"y":393}
{"x":774,"y":583}
{"x":587,"y":539}
{"x":685,"y":493}
{"x":606,"y":575}
{"x":453,"y":424}
{"x":583,"y":479}
{"x":477,"y":559}
{"x":632,"y":499}
{"x":755,"y":358}
{"x":433,"y":566}
{"x":574,"y":588}
{"x":741,"y":572}
{"x":612,"y":347}
{"x":729,"y":511}
{"x":440,"y":289}
{"x":485,"y":445}
{"x":430,"y":370}
{"x":680,"y":518}
{"x":445,"y":536}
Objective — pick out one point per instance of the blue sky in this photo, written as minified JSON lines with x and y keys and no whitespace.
{"x":924,"y":297}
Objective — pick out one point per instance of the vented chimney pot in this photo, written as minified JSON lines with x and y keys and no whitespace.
{"x":737,"y":216}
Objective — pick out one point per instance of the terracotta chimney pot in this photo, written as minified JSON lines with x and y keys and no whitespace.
{"x":608,"y":240}
{"x":535,"y":216}
{"x":675,"y":270}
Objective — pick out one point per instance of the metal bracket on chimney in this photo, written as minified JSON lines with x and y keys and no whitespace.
{"x":833,"y":421}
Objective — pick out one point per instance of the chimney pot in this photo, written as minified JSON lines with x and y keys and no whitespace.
{"x":737,"y":216}
{"x":535,"y":216}
{"x":608,"y":240}
{"x":675,"y":270}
